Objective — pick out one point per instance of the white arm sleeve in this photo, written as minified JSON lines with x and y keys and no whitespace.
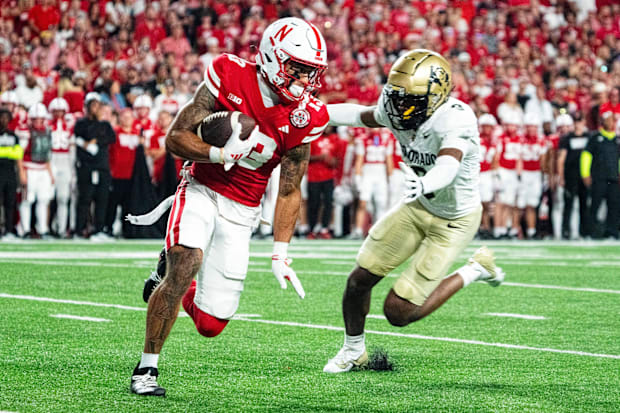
{"x":346,"y":114}
{"x":441,"y":175}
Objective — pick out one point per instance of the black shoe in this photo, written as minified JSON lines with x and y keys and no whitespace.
{"x":155,"y":278}
{"x":144,"y":382}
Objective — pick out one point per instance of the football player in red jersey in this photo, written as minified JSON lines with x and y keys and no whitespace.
{"x":216,"y":208}
{"x":510,"y":167}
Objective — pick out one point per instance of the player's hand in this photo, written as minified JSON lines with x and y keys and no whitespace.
{"x":587,"y":181}
{"x":282,"y":271}
{"x":413,"y":184}
{"x":237,"y":149}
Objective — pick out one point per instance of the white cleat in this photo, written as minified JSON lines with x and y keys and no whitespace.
{"x":489,"y":272}
{"x":346,"y":360}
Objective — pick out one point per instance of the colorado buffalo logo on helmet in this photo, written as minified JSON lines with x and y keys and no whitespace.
{"x":300,"y":118}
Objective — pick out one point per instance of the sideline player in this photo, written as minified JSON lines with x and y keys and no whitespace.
{"x":215,"y":210}
{"x":63,"y":160}
{"x":441,"y":210}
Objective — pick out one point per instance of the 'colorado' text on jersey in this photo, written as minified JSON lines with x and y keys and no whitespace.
{"x":453,"y":125}
{"x":234,"y":83}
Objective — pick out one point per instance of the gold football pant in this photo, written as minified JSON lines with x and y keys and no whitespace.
{"x":410,"y":230}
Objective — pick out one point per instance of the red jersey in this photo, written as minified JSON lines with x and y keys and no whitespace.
{"x":397,"y":152}
{"x":123,"y":152}
{"x":234,"y":83}
{"x":158,"y":140}
{"x":319,"y":171}
{"x":509,"y":151}
{"x":487,"y":153}
{"x":375,"y":146}
{"x":62,"y":135}
{"x":532,"y":150}
{"x":145,"y":127}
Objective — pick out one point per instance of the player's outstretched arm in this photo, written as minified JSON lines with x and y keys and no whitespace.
{"x":293,"y":167}
{"x":351,"y":114}
{"x":181,"y":138}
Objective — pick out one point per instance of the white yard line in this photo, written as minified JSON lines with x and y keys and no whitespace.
{"x":561,"y":287}
{"x":523,"y":316}
{"x":77,"y":317}
{"x":252,"y":318}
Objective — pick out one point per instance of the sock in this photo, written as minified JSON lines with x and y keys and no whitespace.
{"x":355,"y":342}
{"x":469,"y":273}
{"x":499,"y":231}
{"x":149,"y":360}
{"x":531,"y":232}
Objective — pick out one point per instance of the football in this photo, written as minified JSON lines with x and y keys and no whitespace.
{"x":216,"y":128}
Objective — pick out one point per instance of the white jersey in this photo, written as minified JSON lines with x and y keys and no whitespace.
{"x":453,"y":125}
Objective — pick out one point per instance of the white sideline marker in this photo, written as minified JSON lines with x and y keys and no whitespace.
{"x":77,"y":317}
{"x":523,"y":316}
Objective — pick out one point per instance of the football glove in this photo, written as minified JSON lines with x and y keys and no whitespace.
{"x":235,"y":149}
{"x":413,"y":184}
{"x":280,"y":265}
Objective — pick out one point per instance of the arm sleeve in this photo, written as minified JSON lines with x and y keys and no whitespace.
{"x":346,"y":114}
{"x":585,"y":163}
{"x":441,"y":175}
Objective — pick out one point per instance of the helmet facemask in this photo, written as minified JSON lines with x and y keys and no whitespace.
{"x":405,"y":111}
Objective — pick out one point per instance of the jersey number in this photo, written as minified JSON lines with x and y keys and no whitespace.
{"x":261,"y":153}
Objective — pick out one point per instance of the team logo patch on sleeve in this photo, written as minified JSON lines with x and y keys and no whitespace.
{"x":300,"y":118}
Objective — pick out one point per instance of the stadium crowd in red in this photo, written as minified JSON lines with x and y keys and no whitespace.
{"x":510,"y":59}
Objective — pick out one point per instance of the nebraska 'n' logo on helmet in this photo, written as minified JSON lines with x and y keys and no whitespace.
{"x":300,"y":118}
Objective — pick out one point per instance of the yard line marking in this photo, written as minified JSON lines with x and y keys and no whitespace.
{"x":56,"y":300}
{"x":446,"y":339}
{"x":77,"y":317}
{"x":376,"y":316}
{"x":560,"y":287}
{"x":524,"y":316}
{"x":250,"y":318}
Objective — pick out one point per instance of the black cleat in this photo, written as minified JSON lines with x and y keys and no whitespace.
{"x":155,"y":278}
{"x":144,"y":382}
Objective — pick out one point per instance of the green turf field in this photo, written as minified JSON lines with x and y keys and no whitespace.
{"x":547,"y":340}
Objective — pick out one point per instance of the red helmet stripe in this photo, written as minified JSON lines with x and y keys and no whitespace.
{"x":319,"y":46}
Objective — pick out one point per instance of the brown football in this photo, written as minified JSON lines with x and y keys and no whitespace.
{"x":216,"y":128}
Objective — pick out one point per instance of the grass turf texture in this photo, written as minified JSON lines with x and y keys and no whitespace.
{"x":58,"y":365}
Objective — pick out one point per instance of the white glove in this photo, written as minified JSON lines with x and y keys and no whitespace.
{"x":280,"y":265}
{"x":413,"y":184}
{"x":235,"y":149}
{"x":92,"y":148}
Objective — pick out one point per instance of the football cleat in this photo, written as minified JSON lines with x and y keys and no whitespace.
{"x":345,"y":361}
{"x":155,"y":278}
{"x":489,"y":272}
{"x":144,"y":382}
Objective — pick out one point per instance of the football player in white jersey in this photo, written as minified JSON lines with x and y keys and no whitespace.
{"x":440,"y":212}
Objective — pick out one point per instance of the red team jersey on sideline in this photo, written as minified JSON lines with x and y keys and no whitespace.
{"x":123,"y":152}
{"x":532,"y":150}
{"x":510,"y":151}
{"x":375,"y":145}
{"x":487,"y":153}
{"x":319,"y":171}
{"x":397,"y":152}
{"x":234,"y":83}
{"x":62,"y":135}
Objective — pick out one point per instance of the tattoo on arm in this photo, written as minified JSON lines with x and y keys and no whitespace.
{"x":294,"y":164}
{"x":181,"y":139}
{"x":198,"y":108}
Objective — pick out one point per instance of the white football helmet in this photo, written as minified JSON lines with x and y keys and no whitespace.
{"x":564,"y":120}
{"x":143,"y":101}
{"x":298,"y":42}
{"x":487,"y":119}
{"x":37,"y":111}
{"x":58,"y":104}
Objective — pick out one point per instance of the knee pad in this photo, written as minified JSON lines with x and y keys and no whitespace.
{"x":207,"y":325}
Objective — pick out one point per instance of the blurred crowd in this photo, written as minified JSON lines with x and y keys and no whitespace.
{"x":538,"y":70}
